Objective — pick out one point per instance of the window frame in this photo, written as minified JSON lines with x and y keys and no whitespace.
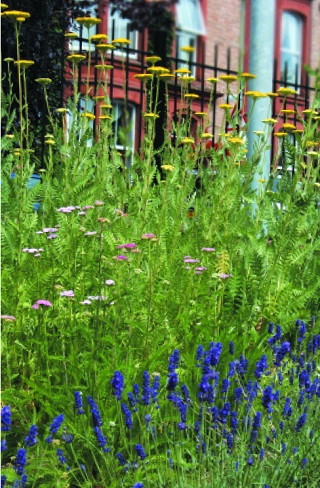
{"x":133,"y":36}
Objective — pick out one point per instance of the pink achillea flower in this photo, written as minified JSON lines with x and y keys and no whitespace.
{"x":98,"y":297}
{"x":37,"y":255}
{"x":190,"y":260}
{"x":39,"y":232}
{"x":201,"y":268}
{"x":67,"y":293}
{"x":148,"y":236}
{"x":8,"y":318}
{"x":110,"y":282}
{"x":127,"y":246}
{"x":30,"y":251}
{"x":224,"y":276}
{"x":98,"y":203}
{"x":44,"y":303}
{"x":118,"y":211}
{"x":90,"y":233}
{"x":85,"y":302}
{"x":87,"y":207}
{"x":82,"y":213}
{"x":51,"y":230}
{"x":68,"y":209}
{"x":208,"y":249}
{"x":121,"y":257}
{"x":52,"y":236}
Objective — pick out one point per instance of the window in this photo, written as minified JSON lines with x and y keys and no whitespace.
{"x":190,"y":25}
{"x":83,"y":45}
{"x":123,"y":128}
{"x":291,"y":47}
{"x":119,"y":27}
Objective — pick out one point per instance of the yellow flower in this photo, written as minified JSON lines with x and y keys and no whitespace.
{"x":298,"y":131}
{"x":246,"y":75}
{"x":187,"y":79}
{"x":225,"y":106}
{"x":103,"y":67}
{"x":88,"y":115}
{"x":309,"y":111}
{"x":62,"y":110}
{"x":167,"y":167}
{"x":143,"y":76}
{"x":43,"y":81}
{"x":259,"y":132}
{"x":105,"y":117}
{"x":105,"y":47}
{"x":151,"y":115}
{"x":187,"y":140}
{"x":272,"y":95}
{"x":158,"y":70}
{"x":76,"y":58}
{"x":280,"y":134}
{"x":71,"y":35}
{"x":206,"y":135}
{"x":287,"y":111}
{"x":88,"y":21}
{"x":235,"y":140}
{"x":191,"y":95}
{"x":182,"y":71}
{"x":49,"y":141}
{"x":106,"y":106}
{"x":261,"y":180}
{"x":14,"y":15}
{"x":96,"y":38}
{"x":152,"y":59}
{"x":212,"y":80}
{"x":188,"y":49}
{"x":270,"y":121}
{"x":311,"y":143}
{"x":98,"y":97}
{"x":9,"y":136}
{"x":285,"y":90}
{"x":312,"y":153}
{"x":288,"y":126}
{"x":255,"y":94}
{"x":24,"y":63}
{"x":121,"y":40}
{"x":166,"y":76}
{"x":228,"y":78}
{"x":8,"y":60}
{"x":200,"y":114}
{"x":4,"y":5}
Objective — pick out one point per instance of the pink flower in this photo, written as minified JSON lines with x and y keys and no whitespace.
{"x":224,"y":276}
{"x":208,"y":249}
{"x":37,"y":255}
{"x":85,"y":302}
{"x":82,"y":213}
{"x":98,"y":297}
{"x":120,"y":258}
{"x":110,"y":282}
{"x":50,"y":229}
{"x":148,"y":236}
{"x":118,"y":211}
{"x":190,"y":260}
{"x":52,"y":236}
{"x":68,"y":209}
{"x":32,"y":250}
{"x":87,"y":207}
{"x":98,"y":203}
{"x":67,"y":293}
{"x":201,"y":268}
{"x":44,"y":303}
{"x":131,"y":245}
{"x":8,"y":318}
{"x":39,"y":232}
{"x":26,"y":249}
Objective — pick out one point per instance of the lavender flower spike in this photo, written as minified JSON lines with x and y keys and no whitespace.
{"x":117,"y":384}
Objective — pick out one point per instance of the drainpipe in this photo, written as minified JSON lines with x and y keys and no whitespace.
{"x":261,"y":56}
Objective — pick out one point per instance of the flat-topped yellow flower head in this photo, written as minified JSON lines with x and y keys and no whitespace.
{"x":121,"y":41}
{"x":24,"y":63}
{"x":225,"y":106}
{"x":16,"y":15}
{"x":43,"y":81}
{"x":150,"y":115}
{"x":187,"y":140}
{"x":212,"y":80}
{"x":153,"y":59}
{"x":286,"y":91}
{"x":88,"y":21}
{"x":143,"y":76}
{"x":104,"y":47}
{"x":76,"y":58}
{"x":247,"y":76}
{"x":191,"y":96}
{"x":167,"y":167}
{"x":228,"y":78}
{"x":96,"y":38}
{"x":71,"y":35}
{"x":188,"y":49}
{"x":182,"y":71}
{"x":158,"y":70}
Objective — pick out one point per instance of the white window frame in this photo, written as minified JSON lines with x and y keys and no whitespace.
{"x":121,"y":29}
{"x":190,"y":25}
{"x":293,"y":22}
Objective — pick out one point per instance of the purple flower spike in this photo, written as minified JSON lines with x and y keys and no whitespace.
{"x":67,"y":293}
{"x":6,"y":418}
{"x":208,"y":249}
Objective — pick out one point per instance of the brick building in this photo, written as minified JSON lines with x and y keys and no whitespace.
{"x":219,"y":33}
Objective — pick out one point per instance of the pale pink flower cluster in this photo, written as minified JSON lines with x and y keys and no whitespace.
{"x":44,"y":303}
{"x":36,"y":252}
{"x":67,"y":293}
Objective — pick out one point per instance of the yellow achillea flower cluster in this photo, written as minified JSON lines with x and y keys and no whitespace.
{"x":212,"y":80}
{"x":24,"y":63}
{"x":166,"y":76}
{"x":104,"y":47}
{"x":288,"y":126}
{"x":143,"y":76}
{"x":187,"y":140}
{"x":188,"y":49}
{"x":225,"y":106}
{"x":191,"y":95}
{"x":158,"y":70}
{"x":270,"y":121}
{"x":96,"y":38}
{"x":121,"y":41}
{"x":248,"y":76}
{"x":103,"y":67}
{"x":182,"y":71}
{"x":167,"y":167}
{"x":16,"y":15}
{"x":43,"y":81}
{"x":151,"y":115}
{"x":71,"y":35}
{"x":280,"y":134}
{"x":285,"y":91}
{"x":187,"y":79}
{"x":255,"y":94}
{"x":272,"y":95}
{"x":206,"y":135}
{"x":88,"y":21}
{"x":105,"y":117}
{"x":88,"y":115}
{"x":228,"y":78}
{"x":153,"y":59}
{"x":76,"y":58}
{"x":235,"y":140}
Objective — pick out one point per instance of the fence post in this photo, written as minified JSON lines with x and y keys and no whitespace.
{"x":261,"y":54}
